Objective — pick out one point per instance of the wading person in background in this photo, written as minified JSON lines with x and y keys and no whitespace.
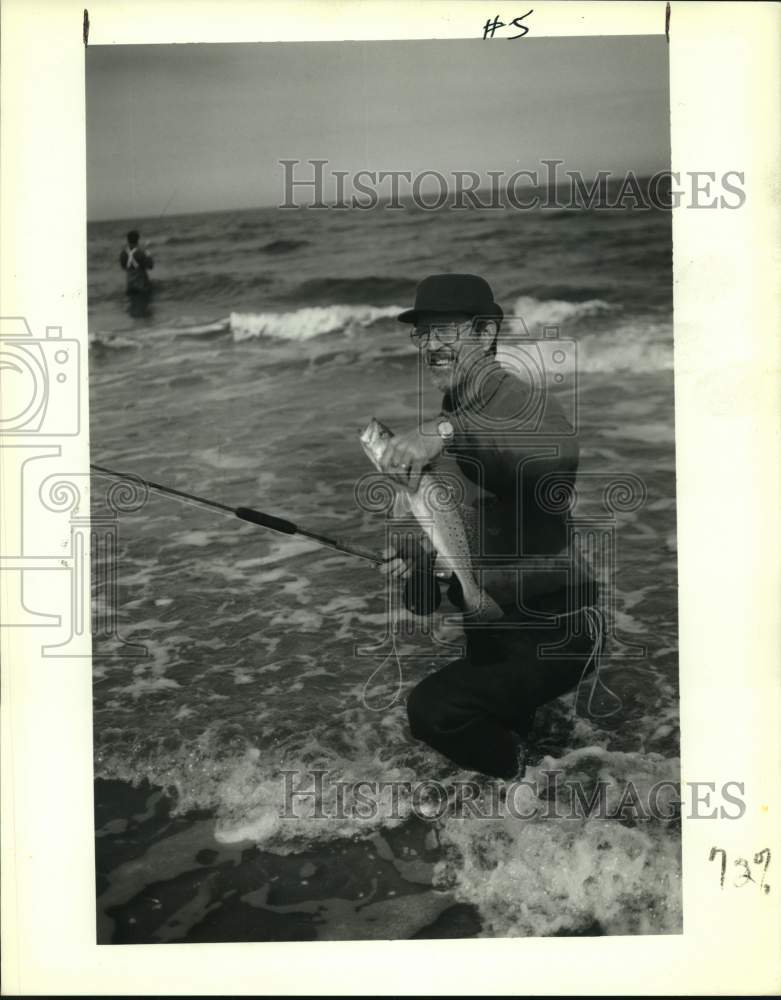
{"x":136,"y":263}
{"x":478,"y":710}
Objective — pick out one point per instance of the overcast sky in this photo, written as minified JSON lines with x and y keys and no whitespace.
{"x":203,"y":127}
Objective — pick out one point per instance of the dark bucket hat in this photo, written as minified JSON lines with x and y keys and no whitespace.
{"x":453,"y":293}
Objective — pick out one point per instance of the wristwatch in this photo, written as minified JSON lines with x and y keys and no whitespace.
{"x":445,"y":430}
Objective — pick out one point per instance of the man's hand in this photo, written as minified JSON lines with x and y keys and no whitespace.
{"x":414,"y":567}
{"x":408,"y":454}
{"x":395,"y":566}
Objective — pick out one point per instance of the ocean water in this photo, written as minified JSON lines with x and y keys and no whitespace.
{"x":271,"y":341}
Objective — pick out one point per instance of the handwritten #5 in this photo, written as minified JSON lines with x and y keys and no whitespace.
{"x":491,"y":27}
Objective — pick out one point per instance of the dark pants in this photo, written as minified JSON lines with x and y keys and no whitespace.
{"x":478,"y":710}
{"x":139,"y":296}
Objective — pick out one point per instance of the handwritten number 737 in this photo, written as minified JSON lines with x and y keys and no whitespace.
{"x":744,"y":876}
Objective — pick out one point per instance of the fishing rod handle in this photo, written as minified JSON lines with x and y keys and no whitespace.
{"x":266,"y":520}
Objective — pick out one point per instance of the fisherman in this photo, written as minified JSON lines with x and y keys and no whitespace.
{"x":479,"y":710}
{"x":136,"y":262}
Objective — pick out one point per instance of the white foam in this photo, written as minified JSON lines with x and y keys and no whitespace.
{"x":566,"y":875}
{"x":304,"y":324}
{"x":286,"y":548}
{"x":542,"y":312}
{"x":219,"y":459}
{"x":195,"y":328}
{"x":111,"y":341}
{"x":631,"y":345}
{"x":546,"y":874}
{"x":200,"y":539}
{"x":149,"y":685}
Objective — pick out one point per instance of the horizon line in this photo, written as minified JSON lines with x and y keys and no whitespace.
{"x":332,"y":206}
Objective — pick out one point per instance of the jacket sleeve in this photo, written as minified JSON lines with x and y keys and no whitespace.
{"x":123,"y":260}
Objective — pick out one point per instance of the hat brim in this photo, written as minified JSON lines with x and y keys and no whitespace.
{"x":411,"y":315}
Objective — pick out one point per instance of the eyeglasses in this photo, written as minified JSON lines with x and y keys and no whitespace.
{"x":446,"y":333}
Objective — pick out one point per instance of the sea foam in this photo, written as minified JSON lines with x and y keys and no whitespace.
{"x":304,"y":324}
{"x":541,"y":312}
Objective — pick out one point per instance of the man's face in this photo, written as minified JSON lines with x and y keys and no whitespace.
{"x":448,"y":364}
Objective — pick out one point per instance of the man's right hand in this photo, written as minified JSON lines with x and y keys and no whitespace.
{"x":395,"y":567}
{"x":413,"y":555}
{"x":415,"y":569}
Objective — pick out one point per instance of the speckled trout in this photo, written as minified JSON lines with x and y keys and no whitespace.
{"x":442,"y":522}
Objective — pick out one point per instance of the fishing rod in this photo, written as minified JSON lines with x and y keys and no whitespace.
{"x":280,"y":524}
{"x":147,"y":243}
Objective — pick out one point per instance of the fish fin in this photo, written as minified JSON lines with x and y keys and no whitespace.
{"x":481,"y":605}
{"x":489,"y":610}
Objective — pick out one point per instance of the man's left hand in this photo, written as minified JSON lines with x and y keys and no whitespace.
{"x":408,"y":454}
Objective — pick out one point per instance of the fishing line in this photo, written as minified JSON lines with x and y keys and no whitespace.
{"x":280,"y":524}
{"x":395,"y":654}
{"x":394,"y":620}
{"x":595,"y":622}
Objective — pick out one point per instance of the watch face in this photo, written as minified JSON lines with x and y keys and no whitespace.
{"x":445,"y":429}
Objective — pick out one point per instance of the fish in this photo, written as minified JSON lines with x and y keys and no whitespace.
{"x":441,"y":521}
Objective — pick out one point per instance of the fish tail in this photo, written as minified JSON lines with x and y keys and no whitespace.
{"x":489,"y":610}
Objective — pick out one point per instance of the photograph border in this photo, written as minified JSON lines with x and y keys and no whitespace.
{"x":724,"y":62}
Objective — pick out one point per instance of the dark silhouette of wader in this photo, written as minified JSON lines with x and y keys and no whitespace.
{"x":136,"y":263}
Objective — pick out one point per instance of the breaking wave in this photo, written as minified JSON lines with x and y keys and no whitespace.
{"x":607,"y":339}
{"x":629,"y":347}
{"x":304,"y":324}
{"x":540,"y":312}
{"x":622,"y":344}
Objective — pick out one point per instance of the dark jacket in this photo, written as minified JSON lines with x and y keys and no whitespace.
{"x":515,"y":443}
